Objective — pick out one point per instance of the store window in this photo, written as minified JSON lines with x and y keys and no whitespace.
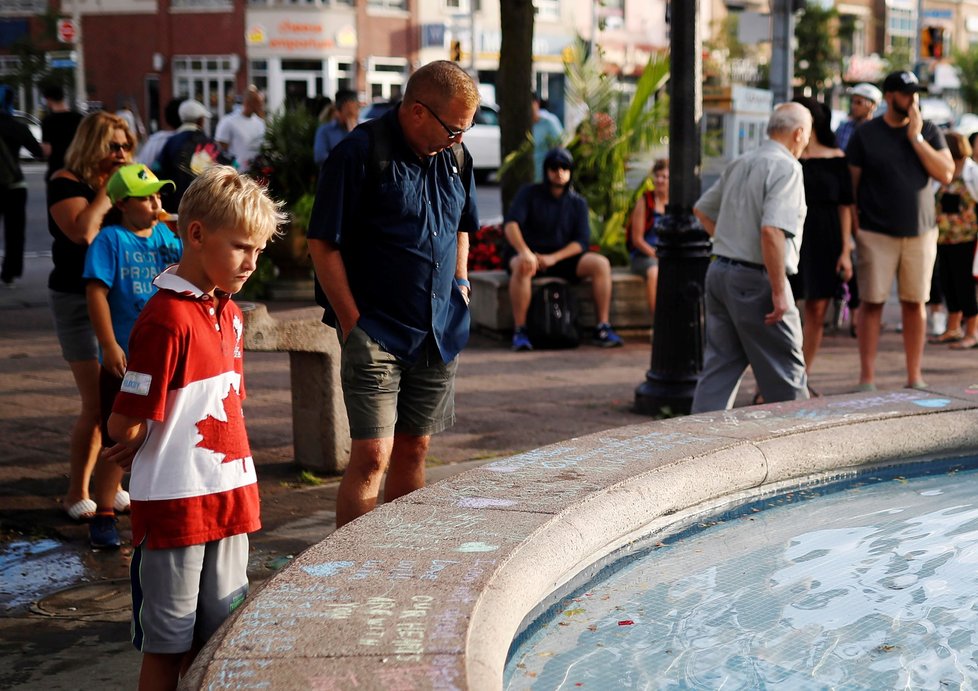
{"x":201,"y":4}
{"x":207,"y":78}
{"x":301,"y":3}
{"x":387,"y":4}
{"x":386,"y":78}
{"x":258,"y":74}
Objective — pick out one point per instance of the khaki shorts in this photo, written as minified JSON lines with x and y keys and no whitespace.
{"x":385,"y":395}
{"x":881,"y":257}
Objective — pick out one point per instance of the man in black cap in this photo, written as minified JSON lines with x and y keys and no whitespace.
{"x":547,"y":227}
{"x":892,"y":160}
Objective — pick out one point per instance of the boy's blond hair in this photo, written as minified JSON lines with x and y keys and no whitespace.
{"x":220,"y":197}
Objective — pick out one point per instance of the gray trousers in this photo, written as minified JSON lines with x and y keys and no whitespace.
{"x":737,"y":298}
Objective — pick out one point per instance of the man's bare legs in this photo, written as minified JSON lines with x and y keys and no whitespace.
{"x":597,"y":267}
{"x":914,"y":334}
{"x":868,"y":336}
{"x":520,"y":289}
{"x":85,"y":439}
{"x":369,"y":459}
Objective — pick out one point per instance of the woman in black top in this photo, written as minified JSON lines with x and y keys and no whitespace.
{"x":77,"y":203}
{"x":826,"y":243}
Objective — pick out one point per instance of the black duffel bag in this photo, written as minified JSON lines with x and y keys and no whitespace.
{"x":552,"y":319}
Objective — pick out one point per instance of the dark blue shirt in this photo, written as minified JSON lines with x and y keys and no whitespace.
{"x":550,"y":223}
{"x":399,"y":242}
{"x":328,"y":135}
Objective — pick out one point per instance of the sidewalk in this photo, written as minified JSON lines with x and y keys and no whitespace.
{"x":506,"y":403}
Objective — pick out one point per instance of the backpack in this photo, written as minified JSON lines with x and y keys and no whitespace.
{"x":379,"y":160}
{"x":551,"y":321}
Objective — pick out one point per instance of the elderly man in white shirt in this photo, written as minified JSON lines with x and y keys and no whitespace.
{"x":755,"y":214}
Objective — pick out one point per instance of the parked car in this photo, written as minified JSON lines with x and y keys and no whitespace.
{"x":967,"y":124}
{"x":482,"y":140}
{"x":937,"y":111}
{"x":34,"y":125}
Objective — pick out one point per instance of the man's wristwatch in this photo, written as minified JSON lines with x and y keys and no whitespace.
{"x":919,"y":138}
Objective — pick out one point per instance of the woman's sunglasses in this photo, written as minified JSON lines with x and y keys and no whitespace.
{"x":116,"y":147}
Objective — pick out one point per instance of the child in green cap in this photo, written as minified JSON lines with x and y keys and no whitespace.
{"x":132,"y":248}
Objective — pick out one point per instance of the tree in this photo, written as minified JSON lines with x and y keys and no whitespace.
{"x":513,"y":89}
{"x":817,"y":61}
{"x":967,"y":63}
{"x":615,"y":130}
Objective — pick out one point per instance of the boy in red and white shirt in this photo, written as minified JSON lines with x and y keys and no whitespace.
{"x":179,"y":426}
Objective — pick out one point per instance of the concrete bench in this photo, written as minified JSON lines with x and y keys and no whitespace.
{"x":320,"y":428}
{"x":491,"y":309}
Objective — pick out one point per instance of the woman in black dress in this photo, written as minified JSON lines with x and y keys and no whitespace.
{"x":826,"y":244}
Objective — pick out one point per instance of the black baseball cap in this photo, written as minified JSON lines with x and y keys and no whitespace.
{"x":903,"y":81}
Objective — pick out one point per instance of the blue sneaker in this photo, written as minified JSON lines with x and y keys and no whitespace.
{"x":520,"y":340}
{"x":102,"y":533}
{"x":606,"y":337}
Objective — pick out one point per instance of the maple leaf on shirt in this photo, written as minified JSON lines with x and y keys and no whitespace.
{"x":228,"y":438}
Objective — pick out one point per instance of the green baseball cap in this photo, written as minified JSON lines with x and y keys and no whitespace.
{"x":134,"y":180}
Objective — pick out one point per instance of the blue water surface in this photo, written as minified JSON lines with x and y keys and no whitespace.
{"x":873,"y":586}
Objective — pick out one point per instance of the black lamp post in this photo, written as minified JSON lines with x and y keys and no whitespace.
{"x":684,"y":247}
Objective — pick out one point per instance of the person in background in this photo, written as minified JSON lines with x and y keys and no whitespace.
{"x":892,"y":160}
{"x":188,"y":152}
{"x":957,"y":229}
{"x":826,"y":250}
{"x":128,"y":112}
{"x":547,"y":131}
{"x":642,"y":237}
{"x":58,"y":128}
{"x":241,"y":132}
{"x":329,"y":134}
{"x":77,"y":203}
{"x":132,"y":248}
{"x":149,"y":152}
{"x":864,"y":98}
{"x":13,"y":196}
{"x":549,"y":235}
{"x":755,"y":213}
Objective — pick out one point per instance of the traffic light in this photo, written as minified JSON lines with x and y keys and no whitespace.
{"x":936,"y":41}
{"x":932,"y":42}
{"x":455,"y":51}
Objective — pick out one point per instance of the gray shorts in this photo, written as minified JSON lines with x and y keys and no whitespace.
{"x":73,"y":326}
{"x":184,"y":594}
{"x":385,"y":395}
{"x":641,"y":264}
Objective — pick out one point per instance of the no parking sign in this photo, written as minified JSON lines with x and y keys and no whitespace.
{"x":67,"y":31}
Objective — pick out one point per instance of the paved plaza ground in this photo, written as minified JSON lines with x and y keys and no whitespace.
{"x":506,"y":403}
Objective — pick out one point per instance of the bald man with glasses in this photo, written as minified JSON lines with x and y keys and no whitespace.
{"x":390,"y":245}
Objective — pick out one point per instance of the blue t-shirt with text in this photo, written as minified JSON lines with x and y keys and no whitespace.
{"x":127,"y":264}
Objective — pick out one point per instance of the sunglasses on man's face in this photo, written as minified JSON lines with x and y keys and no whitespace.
{"x":116,"y":147}
{"x":558,"y":166}
{"x":452,"y":132}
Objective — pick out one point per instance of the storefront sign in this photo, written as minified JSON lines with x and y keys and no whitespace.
{"x":282,"y":34}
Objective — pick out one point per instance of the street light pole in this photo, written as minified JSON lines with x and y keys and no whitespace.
{"x":782,"y":49}
{"x":81,"y":89}
{"x":684,"y":247}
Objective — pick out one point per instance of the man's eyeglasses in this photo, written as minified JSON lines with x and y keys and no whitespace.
{"x":558,"y":166}
{"x":116,"y":147}
{"x":452,"y":132}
